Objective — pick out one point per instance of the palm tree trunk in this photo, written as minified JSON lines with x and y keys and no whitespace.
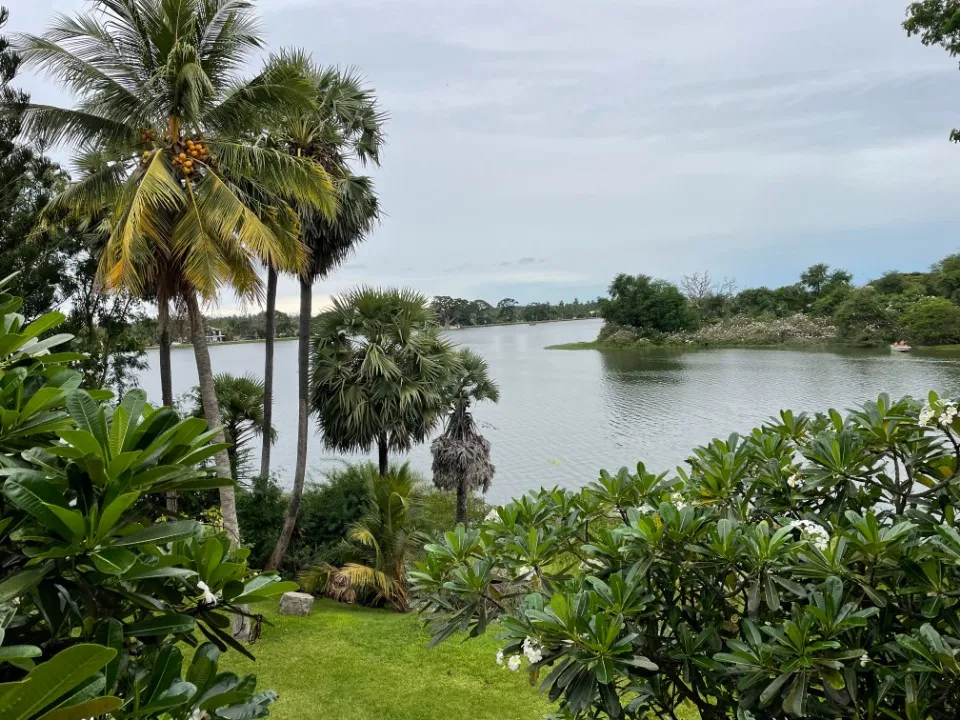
{"x":270,"y":332}
{"x":303,"y":425}
{"x":166,"y":373}
{"x":461,"y":503}
{"x":211,"y":411}
{"x":166,"y":376}
{"x":382,"y":454}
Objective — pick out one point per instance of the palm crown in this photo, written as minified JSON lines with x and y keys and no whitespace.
{"x":379,"y":370}
{"x":189,"y":191}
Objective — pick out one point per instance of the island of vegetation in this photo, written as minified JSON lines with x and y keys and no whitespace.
{"x":823,"y":308}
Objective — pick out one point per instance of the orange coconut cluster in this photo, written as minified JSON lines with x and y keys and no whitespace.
{"x":191,"y":151}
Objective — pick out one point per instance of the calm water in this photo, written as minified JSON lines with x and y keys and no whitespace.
{"x":563,"y":415}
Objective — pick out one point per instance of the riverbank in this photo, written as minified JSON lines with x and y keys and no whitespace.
{"x":738,"y":332}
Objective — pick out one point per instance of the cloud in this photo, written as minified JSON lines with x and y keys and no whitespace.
{"x":743,"y":136}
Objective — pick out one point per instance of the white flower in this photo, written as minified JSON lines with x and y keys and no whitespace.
{"x":677,"y":499}
{"x":208,"y":597}
{"x":864,"y":660}
{"x":198,"y":715}
{"x":499,"y":657}
{"x":945,"y":419}
{"x":813,"y":532}
{"x":795,"y":481}
{"x":492,"y":516}
{"x":514,"y":662}
{"x":533,"y":651}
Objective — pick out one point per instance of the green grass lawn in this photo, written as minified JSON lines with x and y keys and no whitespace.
{"x":350,"y":663}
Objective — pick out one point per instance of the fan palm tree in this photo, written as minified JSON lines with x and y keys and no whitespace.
{"x":461,"y":455}
{"x":379,"y":371}
{"x":194,"y":205}
{"x":386,"y":536}
{"x":344,"y":128}
{"x":241,"y":407}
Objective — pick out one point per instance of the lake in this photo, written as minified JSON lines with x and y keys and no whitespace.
{"x":564,"y":415}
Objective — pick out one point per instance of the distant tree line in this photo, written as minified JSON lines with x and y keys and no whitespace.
{"x":470,"y":313}
{"x":449,"y":311}
{"x":920,"y":307}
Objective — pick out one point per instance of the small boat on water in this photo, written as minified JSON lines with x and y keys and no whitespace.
{"x":900,"y":347}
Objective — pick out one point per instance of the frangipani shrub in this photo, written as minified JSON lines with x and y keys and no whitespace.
{"x":97,"y":597}
{"x":810,"y":568}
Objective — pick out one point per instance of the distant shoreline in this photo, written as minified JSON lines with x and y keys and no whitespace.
{"x":180,"y":346}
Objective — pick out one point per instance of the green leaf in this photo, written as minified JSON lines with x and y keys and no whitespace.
{"x":203,"y":669}
{"x":72,"y":520}
{"x":88,"y":415}
{"x":171,"y":624}
{"x":161,"y":533}
{"x":83,"y":441}
{"x":20,"y":582}
{"x":51,"y":680}
{"x":113,"y":560}
{"x":90,"y":709}
{"x":31,"y":493}
{"x":796,"y":699}
{"x":773,"y":688}
{"x":112,"y":512}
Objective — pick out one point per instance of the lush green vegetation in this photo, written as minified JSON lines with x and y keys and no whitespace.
{"x":97,"y":595}
{"x":354,"y":663}
{"x":822,"y":308}
{"x":806,"y":569}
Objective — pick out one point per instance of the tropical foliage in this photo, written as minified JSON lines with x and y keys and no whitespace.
{"x":189,"y":202}
{"x":807,"y":569}
{"x":387,"y":538}
{"x":85,"y":567}
{"x":379,"y":371}
{"x":823,"y":307}
{"x":461,"y":455}
{"x":343,"y":128}
{"x":241,"y":407}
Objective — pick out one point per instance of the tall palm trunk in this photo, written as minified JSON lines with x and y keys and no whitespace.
{"x":211,"y":411}
{"x":461,"y":503}
{"x":382,"y":449}
{"x":166,"y":375}
{"x":270,"y":333}
{"x":303,"y":424}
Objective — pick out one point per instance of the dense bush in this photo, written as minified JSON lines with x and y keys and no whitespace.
{"x":328,"y":510}
{"x":649,"y":306}
{"x":810,"y":568}
{"x":102,"y":594}
{"x":863,"y":318}
{"x":933,"y":321}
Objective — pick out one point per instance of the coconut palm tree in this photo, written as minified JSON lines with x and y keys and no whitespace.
{"x":241,"y":407}
{"x":195,"y":205}
{"x":461,"y":455}
{"x":345,"y":128}
{"x":379,"y":371}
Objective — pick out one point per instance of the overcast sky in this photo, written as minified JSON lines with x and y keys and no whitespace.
{"x":536,"y":148}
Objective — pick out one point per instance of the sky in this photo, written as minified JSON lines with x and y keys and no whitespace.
{"x":536,"y":148}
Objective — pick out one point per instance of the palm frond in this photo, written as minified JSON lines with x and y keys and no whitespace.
{"x":280,"y":174}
